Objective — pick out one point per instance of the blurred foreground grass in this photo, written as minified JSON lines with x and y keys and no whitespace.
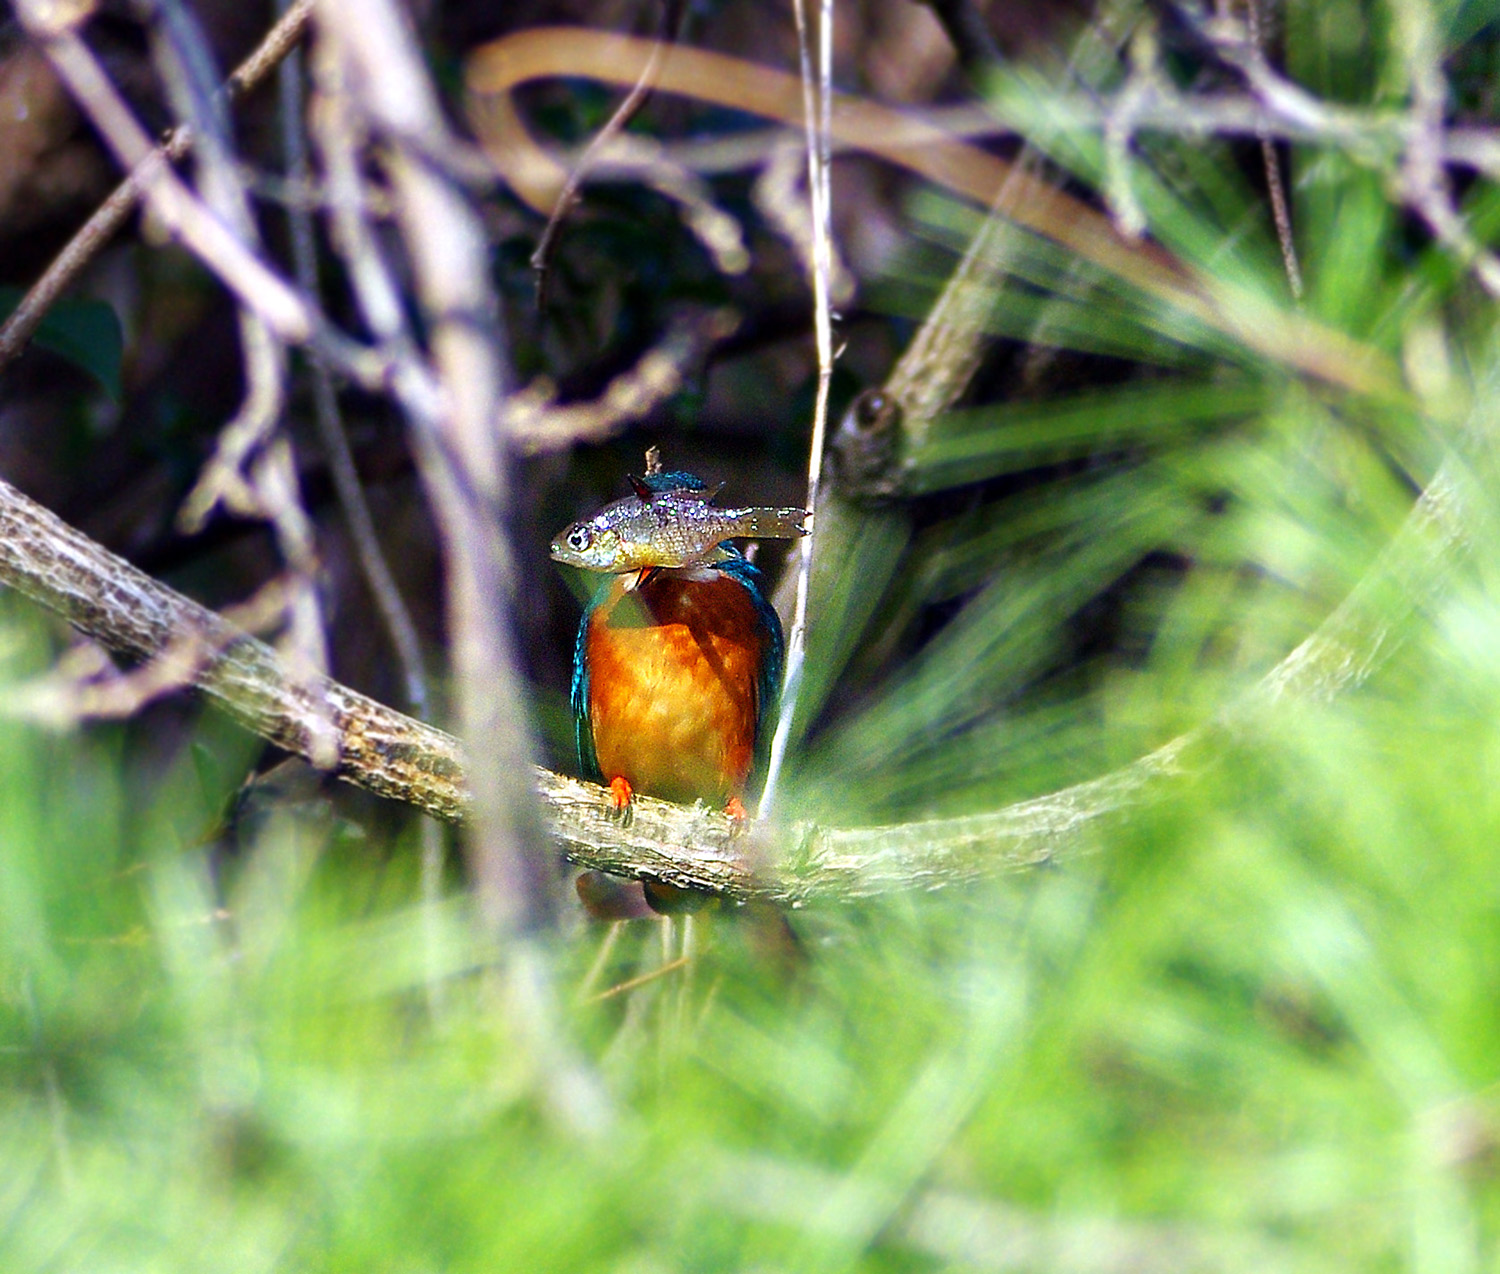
{"x":1257,"y":1031}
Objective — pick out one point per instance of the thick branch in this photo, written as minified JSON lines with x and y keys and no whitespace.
{"x":398,"y":757}
{"x":133,"y":615}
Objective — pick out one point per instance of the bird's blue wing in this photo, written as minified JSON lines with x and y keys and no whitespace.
{"x":583,"y":727}
{"x":774,"y":663}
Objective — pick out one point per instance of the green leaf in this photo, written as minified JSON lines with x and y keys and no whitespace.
{"x":86,"y":332}
{"x":971,"y":445}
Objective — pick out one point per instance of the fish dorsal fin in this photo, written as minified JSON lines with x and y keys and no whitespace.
{"x":641,"y":488}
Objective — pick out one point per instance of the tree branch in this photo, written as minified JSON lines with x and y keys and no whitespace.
{"x":100,"y":228}
{"x":397,"y":757}
{"x":460,"y":456}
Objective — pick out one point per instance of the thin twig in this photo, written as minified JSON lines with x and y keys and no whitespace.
{"x":102,"y":226}
{"x":536,"y":423}
{"x":1281,"y":213}
{"x":722,"y":237}
{"x":346,"y":484}
{"x":252,"y":470}
{"x":340,"y":135}
{"x":1419,"y":133}
{"x":818,"y":108}
{"x":256,"y":286}
{"x":291,"y":317}
{"x":1120,"y":125}
{"x":673,"y":12}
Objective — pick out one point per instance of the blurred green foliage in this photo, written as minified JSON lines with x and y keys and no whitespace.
{"x":1256,"y":1030}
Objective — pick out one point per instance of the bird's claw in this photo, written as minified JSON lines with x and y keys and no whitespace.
{"x":620,"y":794}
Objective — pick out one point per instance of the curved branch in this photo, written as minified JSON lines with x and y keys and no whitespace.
{"x":397,"y":757}
{"x":496,"y":69}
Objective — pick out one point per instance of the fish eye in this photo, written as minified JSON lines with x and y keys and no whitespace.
{"x":578,"y":538}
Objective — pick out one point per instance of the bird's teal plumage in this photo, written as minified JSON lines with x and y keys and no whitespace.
{"x":684,"y":590}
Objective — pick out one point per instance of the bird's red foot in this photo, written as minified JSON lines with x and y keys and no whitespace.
{"x":734,"y":808}
{"x":620,"y":793}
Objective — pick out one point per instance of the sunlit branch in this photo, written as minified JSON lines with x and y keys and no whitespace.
{"x":397,"y":757}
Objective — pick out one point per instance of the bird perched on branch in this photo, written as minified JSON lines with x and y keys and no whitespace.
{"x":679,"y":655}
{"x":677,"y":668}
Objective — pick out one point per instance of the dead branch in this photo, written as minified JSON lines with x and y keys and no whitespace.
{"x":397,"y":757}
{"x":460,"y":455}
{"x":1290,"y":339}
{"x":253,"y":283}
{"x":337,"y":452}
{"x":537,"y":423}
{"x":100,"y":228}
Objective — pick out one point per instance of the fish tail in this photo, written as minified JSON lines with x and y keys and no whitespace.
{"x":772,"y":524}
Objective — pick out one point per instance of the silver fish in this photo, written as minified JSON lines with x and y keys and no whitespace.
{"x":677,"y":527}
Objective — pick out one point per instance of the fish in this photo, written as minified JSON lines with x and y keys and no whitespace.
{"x":667,"y":526}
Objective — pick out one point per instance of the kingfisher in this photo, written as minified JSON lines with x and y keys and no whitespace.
{"x":678,"y":663}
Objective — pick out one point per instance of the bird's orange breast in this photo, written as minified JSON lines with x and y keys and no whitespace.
{"x":673,"y":695}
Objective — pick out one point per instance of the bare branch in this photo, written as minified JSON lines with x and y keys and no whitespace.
{"x":252,"y":469}
{"x":100,"y":228}
{"x":256,"y":286}
{"x":289,"y":315}
{"x":462,"y":459}
{"x":721,"y":235}
{"x":694,"y":848}
{"x":346,"y":484}
{"x":1419,"y":134}
{"x":536,"y":423}
{"x":922,"y":147}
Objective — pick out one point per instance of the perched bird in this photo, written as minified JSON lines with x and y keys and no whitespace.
{"x":677,"y":669}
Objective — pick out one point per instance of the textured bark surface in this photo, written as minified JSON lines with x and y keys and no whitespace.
{"x":396,"y":756}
